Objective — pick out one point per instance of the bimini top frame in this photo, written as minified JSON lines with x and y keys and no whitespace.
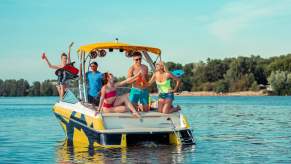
{"x":91,"y":51}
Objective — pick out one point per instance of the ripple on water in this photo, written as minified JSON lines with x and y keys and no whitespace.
{"x":227,"y":130}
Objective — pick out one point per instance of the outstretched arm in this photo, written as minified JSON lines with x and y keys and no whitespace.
{"x":153,"y":78}
{"x":101,"y":99}
{"x":130,"y":72}
{"x":48,"y":63}
{"x":178,"y":81}
{"x":128,"y":80}
{"x":69,"y":52}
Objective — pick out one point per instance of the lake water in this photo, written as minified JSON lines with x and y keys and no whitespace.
{"x":227,"y":130}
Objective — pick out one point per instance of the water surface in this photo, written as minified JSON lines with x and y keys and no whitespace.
{"x":227,"y":130}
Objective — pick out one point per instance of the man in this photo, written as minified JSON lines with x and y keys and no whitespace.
{"x":94,"y":80}
{"x":139,"y":92}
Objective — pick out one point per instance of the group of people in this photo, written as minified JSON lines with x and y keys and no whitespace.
{"x":102,"y":87}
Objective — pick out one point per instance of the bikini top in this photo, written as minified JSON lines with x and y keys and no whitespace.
{"x":164,"y":86}
{"x":110,"y":94}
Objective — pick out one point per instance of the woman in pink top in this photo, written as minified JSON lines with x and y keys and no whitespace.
{"x":110,"y":102}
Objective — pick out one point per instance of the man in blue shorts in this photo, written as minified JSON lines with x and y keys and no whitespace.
{"x":139,"y":92}
{"x":94,"y":81}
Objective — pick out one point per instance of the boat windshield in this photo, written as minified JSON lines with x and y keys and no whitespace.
{"x":70,"y":97}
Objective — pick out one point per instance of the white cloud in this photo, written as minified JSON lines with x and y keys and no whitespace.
{"x":237,"y":16}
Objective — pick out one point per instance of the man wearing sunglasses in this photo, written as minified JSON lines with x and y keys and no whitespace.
{"x":94,"y":81}
{"x":139,"y":92}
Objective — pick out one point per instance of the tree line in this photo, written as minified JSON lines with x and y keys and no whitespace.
{"x":21,"y":87}
{"x":237,"y":74}
{"x":219,"y":75}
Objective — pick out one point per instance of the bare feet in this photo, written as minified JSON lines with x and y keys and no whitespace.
{"x":139,"y":108}
{"x":136,"y":115}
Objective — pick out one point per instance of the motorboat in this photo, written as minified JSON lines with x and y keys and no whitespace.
{"x":86,"y":127}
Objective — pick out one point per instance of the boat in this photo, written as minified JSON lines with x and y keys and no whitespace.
{"x":84,"y":127}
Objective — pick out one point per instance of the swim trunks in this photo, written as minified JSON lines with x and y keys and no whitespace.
{"x":139,"y":95}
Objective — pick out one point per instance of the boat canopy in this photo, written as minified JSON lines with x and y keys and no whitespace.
{"x":117,"y":45}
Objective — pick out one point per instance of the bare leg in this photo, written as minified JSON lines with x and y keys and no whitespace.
{"x":161,"y":103}
{"x":168,"y":108}
{"x":59,"y":90}
{"x":62,"y":91}
{"x":144,"y":108}
{"x":124,"y":100}
{"x":116,"y":109}
{"x":130,"y":106}
{"x":119,"y":109}
{"x":138,"y":107}
{"x":174,"y":109}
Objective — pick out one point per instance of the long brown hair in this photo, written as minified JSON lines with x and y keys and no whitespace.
{"x":105,"y":78}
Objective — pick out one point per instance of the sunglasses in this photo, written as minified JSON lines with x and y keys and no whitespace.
{"x":137,"y":59}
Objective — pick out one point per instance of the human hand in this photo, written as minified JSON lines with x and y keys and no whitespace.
{"x":71,"y":45}
{"x":140,"y":72}
{"x":43,"y":56}
{"x":172,"y":91}
{"x":97,"y":111}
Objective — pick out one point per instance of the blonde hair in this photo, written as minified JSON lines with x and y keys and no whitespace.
{"x":165,"y":69}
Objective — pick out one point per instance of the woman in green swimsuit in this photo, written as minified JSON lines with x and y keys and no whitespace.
{"x":166,"y":94}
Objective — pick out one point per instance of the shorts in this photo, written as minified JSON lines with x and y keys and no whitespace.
{"x":94,"y":100}
{"x":166,"y":96}
{"x":139,"y":95}
{"x":62,"y":77}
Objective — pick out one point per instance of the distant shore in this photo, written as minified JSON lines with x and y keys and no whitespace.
{"x":209,"y":93}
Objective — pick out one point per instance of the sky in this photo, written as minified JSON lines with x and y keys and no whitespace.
{"x":186,"y":31}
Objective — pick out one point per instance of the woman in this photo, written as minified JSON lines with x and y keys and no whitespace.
{"x":166,"y":94}
{"x":110,"y":102}
{"x":65,"y":59}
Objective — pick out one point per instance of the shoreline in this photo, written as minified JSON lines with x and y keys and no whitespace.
{"x":211,"y":93}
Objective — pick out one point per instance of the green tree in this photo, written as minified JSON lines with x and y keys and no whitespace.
{"x":281,"y":63}
{"x":215,"y":70}
{"x":48,"y":88}
{"x":22,"y":87}
{"x":280,"y":82}
{"x":1,"y":87}
{"x":35,"y":89}
{"x":187,"y":78}
{"x":10,"y":87}
{"x":221,"y":86}
{"x":198,"y":77}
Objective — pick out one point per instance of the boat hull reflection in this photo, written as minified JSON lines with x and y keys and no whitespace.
{"x":147,"y":152}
